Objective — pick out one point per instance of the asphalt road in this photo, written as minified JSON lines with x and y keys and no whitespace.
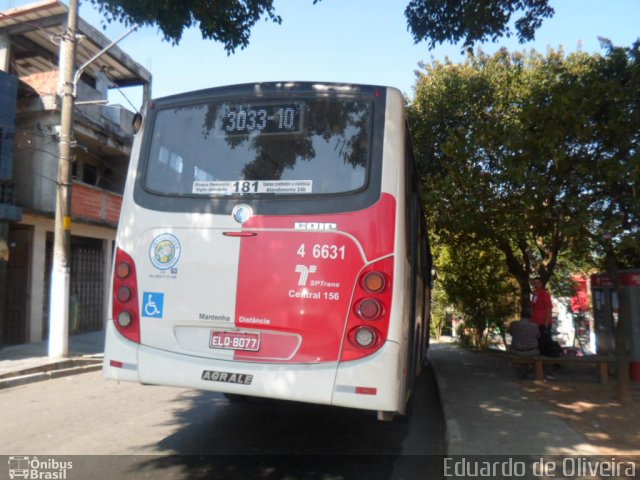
{"x":110,"y":430}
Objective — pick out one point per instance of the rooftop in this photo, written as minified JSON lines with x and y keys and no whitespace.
{"x":35,"y":32}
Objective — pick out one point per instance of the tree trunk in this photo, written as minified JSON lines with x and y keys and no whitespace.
{"x":525,"y":297}
{"x":520,"y":272}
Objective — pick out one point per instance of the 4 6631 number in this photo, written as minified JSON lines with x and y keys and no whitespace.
{"x":325,"y":252}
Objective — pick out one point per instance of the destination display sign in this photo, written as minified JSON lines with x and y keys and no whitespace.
{"x":264,"y":119}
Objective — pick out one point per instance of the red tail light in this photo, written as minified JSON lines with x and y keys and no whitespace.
{"x":368,"y":322}
{"x":369,"y":309}
{"x":126,"y":314}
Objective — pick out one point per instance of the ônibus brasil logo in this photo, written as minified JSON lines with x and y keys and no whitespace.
{"x":164,"y":252}
{"x":34,"y":468}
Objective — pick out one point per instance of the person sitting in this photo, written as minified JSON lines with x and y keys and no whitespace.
{"x":524,"y":337}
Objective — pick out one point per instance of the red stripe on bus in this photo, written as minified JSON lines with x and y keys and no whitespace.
{"x":366,"y":391}
{"x":372,"y":227}
{"x":301,"y":282}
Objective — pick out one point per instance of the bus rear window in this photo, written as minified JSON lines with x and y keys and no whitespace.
{"x":300,"y":147}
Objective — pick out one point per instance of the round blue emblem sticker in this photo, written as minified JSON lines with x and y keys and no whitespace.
{"x":242,"y":213}
{"x":164,"y":251}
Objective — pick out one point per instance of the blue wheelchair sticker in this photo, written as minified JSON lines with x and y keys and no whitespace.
{"x":152,"y":304}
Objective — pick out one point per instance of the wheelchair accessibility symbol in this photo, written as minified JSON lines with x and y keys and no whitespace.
{"x":152,"y":304}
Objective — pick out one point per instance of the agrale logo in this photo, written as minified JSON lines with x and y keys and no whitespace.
{"x":33,"y":468}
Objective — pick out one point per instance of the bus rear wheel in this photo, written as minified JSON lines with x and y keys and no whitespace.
{"x":235,"y":398}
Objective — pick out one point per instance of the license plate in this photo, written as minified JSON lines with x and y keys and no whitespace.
{"x":235,"y":341}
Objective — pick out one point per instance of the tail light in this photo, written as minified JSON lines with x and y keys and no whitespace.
{"x":126,"y":314}
{"x":369,"y":309}
{"x":364,"y":337}
{"x":374,"y":282}
{"x":368,"y":322}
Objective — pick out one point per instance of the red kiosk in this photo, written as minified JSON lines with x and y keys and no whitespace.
{"x":606,"y":306}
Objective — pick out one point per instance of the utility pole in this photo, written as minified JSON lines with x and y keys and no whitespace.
{"x":60,"y":274}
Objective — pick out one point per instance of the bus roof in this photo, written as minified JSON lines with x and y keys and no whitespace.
{"x":277,"y":87}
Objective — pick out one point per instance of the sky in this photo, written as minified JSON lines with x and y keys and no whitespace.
{"x":352,"y":41}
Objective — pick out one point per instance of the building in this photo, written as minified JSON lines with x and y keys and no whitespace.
{"x":29,"y":130}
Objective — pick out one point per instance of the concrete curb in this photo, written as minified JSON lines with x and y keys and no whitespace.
{"x":74,"y":366}
{"x":452,"y":434}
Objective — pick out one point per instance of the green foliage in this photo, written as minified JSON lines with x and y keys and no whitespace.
{"x":536,"y":154}
{"x":228,"y":22}
{"x":615,"y":184}
{"x":563,"y":283}
{"x":473,"y":21}
{"x":627,"y":252}
{"x":475,"y":282}
{"x":441,"y":311}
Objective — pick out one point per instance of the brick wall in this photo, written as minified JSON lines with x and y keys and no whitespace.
{"x":45,"y":83}
{"x":95,"y":204}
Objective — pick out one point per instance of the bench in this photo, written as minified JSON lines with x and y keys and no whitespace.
{"x":600,"y":361}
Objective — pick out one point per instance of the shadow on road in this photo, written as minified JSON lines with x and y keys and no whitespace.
{"x":270,"y":439}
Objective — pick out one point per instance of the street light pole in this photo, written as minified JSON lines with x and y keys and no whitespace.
{"x":60,"y":274}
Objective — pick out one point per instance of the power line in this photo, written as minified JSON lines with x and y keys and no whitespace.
{"x":126,"y":98}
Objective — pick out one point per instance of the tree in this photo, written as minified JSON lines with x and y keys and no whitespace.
{"x":489,"y":158}
{"x":515,"y":150}
{"x":474,"y":280}
{"x":614,"y":188}
{"x":228,"y":22}
{"x":441,"y":311}
{"x":615,"y":202}
{"x":473,"y":21}
{"x":538,"y":155}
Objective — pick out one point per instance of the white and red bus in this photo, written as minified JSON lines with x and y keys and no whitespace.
{"x":271,"y":244}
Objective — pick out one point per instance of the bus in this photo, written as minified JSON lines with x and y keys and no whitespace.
{"x":272,"y":244}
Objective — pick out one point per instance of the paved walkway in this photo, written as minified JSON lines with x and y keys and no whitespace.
{"x":488,"y":412}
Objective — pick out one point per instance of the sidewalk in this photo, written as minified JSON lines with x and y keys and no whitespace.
{"x":488,"y":412}
{"x":28,"y":363}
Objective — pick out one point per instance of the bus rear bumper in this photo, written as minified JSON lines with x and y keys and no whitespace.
{"x":120,"y":356}
{"x":305,"y":383}
{"x":372,"y":383}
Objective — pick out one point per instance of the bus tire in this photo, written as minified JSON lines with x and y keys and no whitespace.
{"x":235,"y":397}
{"x":386,"y":416}
{"x":418,"y":353}
{"x":408,"y":411}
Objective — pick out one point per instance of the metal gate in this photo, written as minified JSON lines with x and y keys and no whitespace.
{"x":86,"y":295}
{"x":13,"y":310}
{"x":86,"y":290}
